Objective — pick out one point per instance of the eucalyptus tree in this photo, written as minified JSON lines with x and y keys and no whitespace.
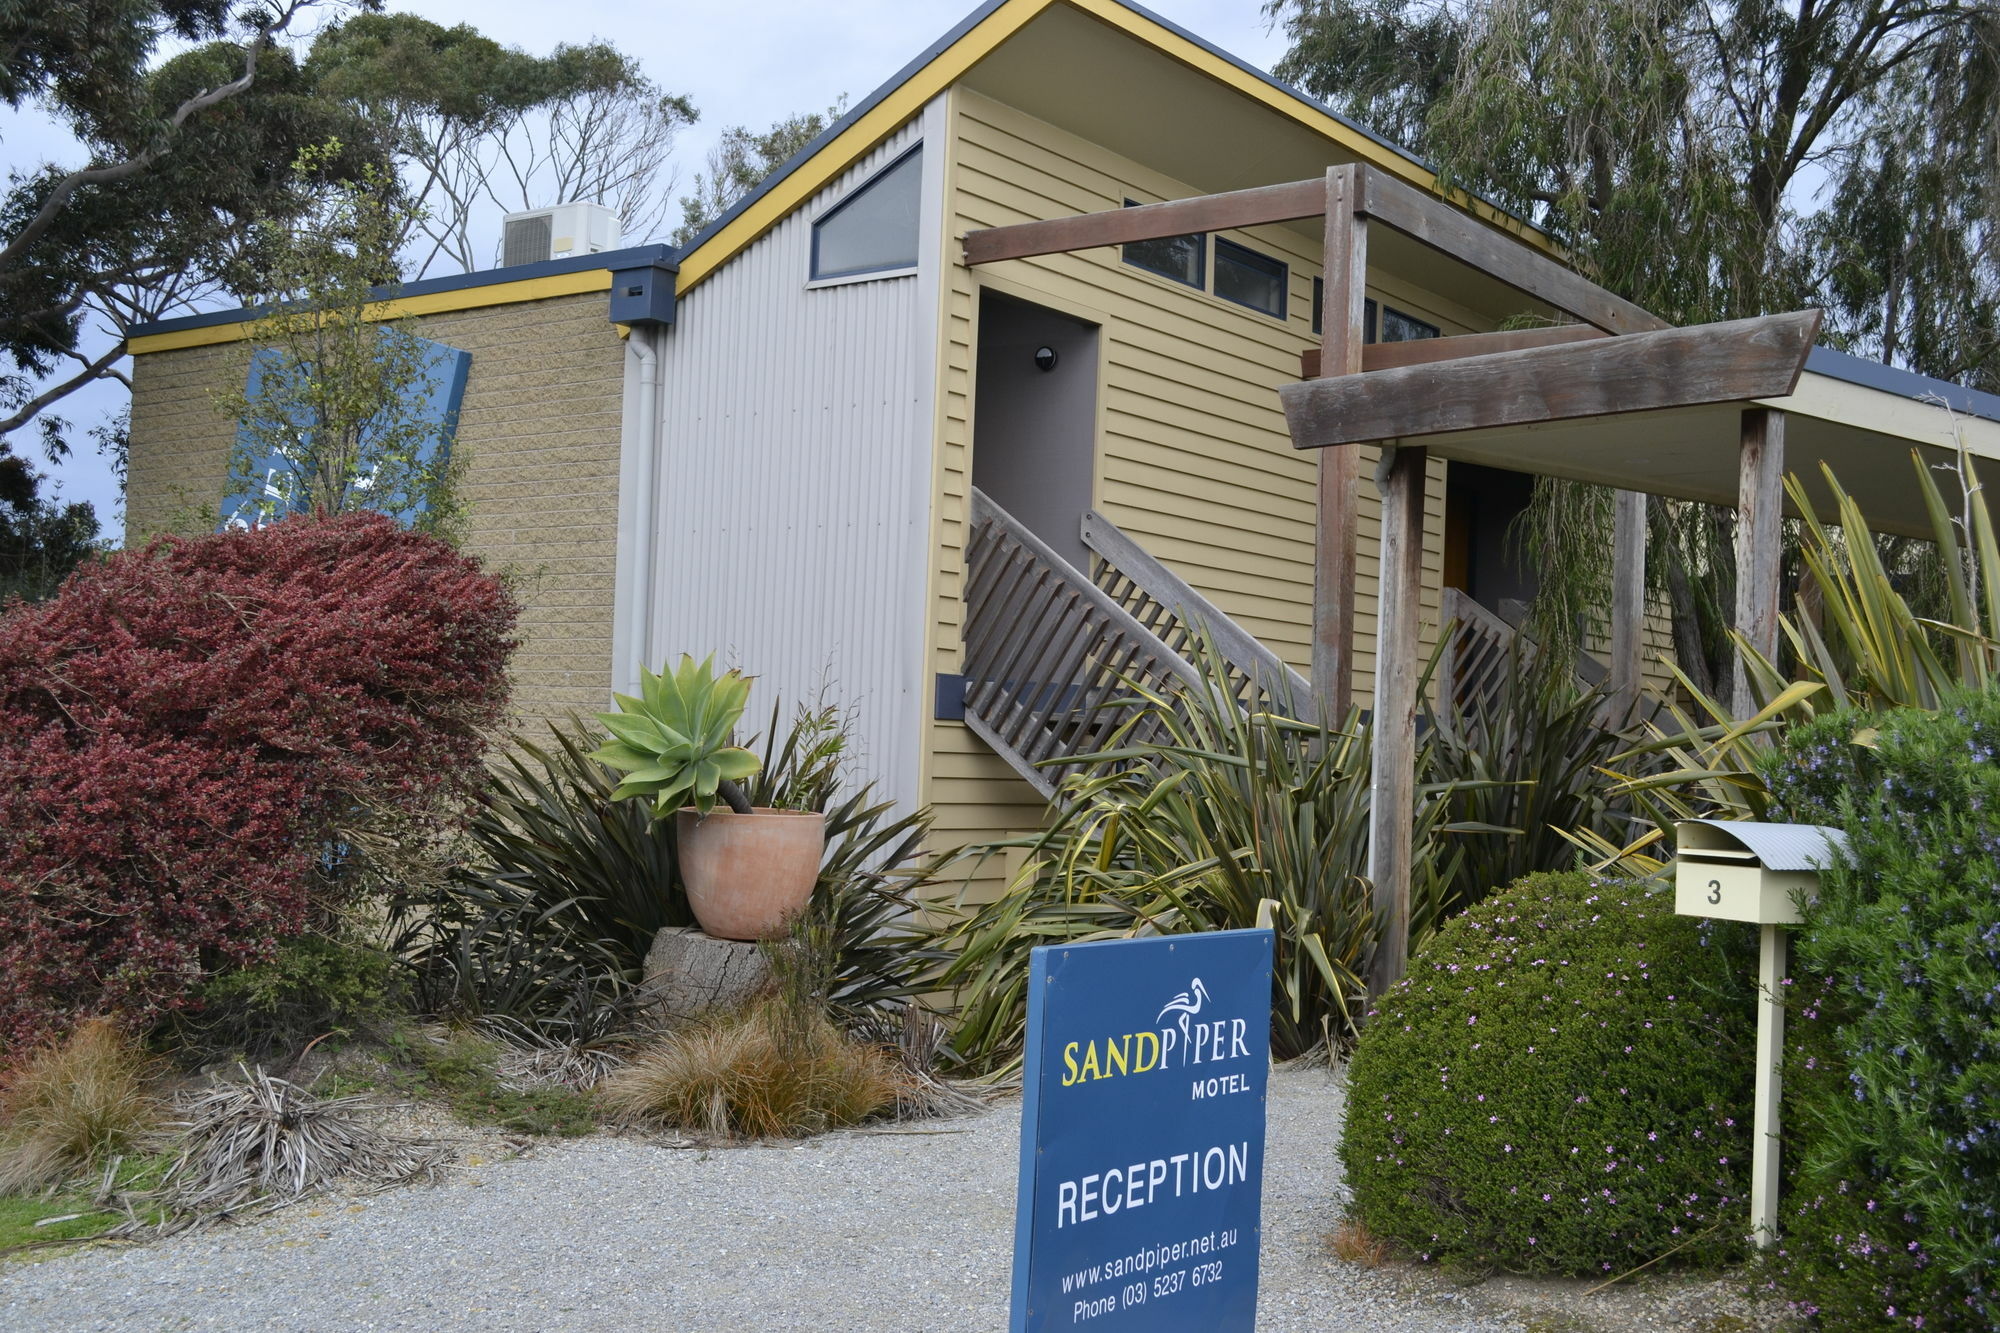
{"x":1709,"y":161}
{"x":477,"y":126}
{"x":742,"y":160}
{"x":176,"y":154}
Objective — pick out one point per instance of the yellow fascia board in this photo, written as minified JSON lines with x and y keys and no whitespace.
{"x":428,"y":303}
{"x":881,"y":120}
{"x":952,"y":63}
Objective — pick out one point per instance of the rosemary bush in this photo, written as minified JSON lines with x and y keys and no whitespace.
{"x":1893,"y":1079}
{"x":1562,"y":1084}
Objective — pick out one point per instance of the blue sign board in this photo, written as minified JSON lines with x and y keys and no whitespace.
{"x":1142,"y":1134}
{"x":265,"y":489}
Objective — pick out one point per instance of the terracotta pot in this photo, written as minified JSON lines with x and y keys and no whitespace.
{"x":747,"y":876}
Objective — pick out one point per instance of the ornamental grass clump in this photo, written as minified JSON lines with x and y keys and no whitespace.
{"x":72,"y":1105}
{"x":779,"y":1068}
{"x":1562,"y":1084}
{"x":768,"y":1072}
{"x":1891,"y":1218}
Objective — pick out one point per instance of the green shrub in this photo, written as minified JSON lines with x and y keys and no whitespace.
{"x":1892,"y":1086}
{"x":313,"y":985}
{"x":1561,"y":1084}
{"x":1521,"y":765}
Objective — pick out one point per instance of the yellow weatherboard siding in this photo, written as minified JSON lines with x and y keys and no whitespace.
{"x":539,"y":433}
{"x":428,"y":303}
{"x":1194,"y":460}
{"x":952,"y":63}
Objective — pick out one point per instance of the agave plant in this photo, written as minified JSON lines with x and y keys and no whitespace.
{"x":549,"y":923}
{"x":674,"y":742}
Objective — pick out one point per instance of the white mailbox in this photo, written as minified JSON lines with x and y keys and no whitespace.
{"x":1742,"y":871}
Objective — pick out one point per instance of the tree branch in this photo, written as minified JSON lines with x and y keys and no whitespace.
{"x":29,"y":410}
{"x":66,"y":188}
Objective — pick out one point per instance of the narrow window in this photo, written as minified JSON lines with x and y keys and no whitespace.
{"x":874,"y":229}
{"x":1397,"y":327}
{"x":1181,"y":258}
{"x":1250,"y":279}
{"x":1387,"y":323}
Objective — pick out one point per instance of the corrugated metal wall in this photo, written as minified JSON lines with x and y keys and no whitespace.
{"x":794,"y":484}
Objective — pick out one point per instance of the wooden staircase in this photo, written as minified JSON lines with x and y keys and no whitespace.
{"x":1050,"y":650}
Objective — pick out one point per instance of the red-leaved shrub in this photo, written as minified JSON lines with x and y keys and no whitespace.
{"x":188,"y":733}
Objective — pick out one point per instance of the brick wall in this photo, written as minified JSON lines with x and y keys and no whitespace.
{"x":539,"y":432}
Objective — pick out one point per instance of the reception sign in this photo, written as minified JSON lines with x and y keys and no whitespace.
{"x":1142,"y":1134}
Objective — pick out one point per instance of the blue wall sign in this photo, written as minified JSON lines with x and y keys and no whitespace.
{"x":1142,"y":1134}
{"x":266,"y":489}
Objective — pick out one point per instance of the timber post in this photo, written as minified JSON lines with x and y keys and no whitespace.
{"x":1342,"y":334}
{"x":1759,"y":543}
{"x":1628,"y":604}
{"x":1392,"y":799}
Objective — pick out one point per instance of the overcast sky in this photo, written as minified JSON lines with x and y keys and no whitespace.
{"x":748,"y":64}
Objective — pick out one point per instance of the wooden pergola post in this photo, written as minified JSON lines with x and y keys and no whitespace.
{"x":1759,"y":543}
{"x":1392,"y":800}
{"x":1628,"y":603}
{"x":1342,"y":334}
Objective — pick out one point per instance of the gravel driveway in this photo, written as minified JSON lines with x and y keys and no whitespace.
{"x":882,"y":1231}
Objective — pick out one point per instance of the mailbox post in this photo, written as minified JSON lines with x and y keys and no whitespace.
{"x":1742,"y":871}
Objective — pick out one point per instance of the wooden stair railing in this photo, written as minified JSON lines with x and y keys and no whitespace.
{"x":1478,"y":643}
{"x":1047,"y":652}
{"x":1161,"y":601}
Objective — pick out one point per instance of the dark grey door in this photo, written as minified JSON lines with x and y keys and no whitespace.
{"x":1034,"y":418}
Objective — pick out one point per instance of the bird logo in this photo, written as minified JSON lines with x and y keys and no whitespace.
{"x":1187,"y":1004}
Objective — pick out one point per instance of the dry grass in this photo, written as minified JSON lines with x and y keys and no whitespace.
{"x":266,"y":1142}
{"x":1355,"y":1243}
{"x":74,"y":1105}
{"x":770,"y":1072}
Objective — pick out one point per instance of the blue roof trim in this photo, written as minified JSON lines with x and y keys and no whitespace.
{"x":638,"y":256}
{"x":1903,"y":383}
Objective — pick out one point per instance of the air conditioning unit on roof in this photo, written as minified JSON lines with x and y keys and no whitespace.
{"x":541,"y":234}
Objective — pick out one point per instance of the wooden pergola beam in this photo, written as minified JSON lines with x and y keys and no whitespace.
{"x":1709,"y":363}
{"x":1371,"y":194}
{"x":1429,"y":219}
{"x":1148,"y":222}
{"x":1421,"y":351}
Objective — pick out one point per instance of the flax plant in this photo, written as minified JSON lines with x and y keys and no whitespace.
{"x":1870,"y":651}
{"x":1222,"y":817}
